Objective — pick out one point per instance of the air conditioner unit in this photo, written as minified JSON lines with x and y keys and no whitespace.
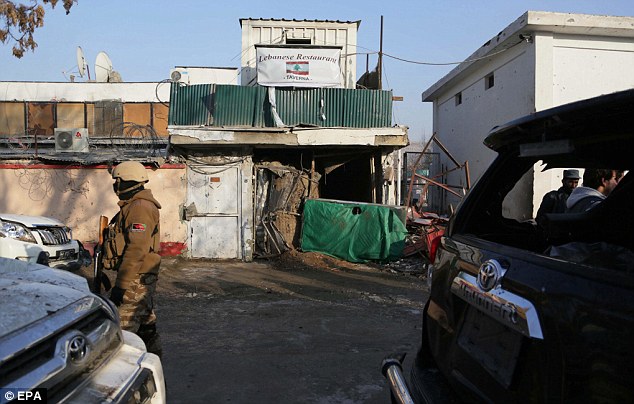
{"x":180,"y":75}
{"x":73,"y":140}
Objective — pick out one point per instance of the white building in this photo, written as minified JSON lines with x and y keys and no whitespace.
{"x":540,"y":60}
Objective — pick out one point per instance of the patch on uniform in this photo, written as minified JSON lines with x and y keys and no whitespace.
{"x":137,"y":227}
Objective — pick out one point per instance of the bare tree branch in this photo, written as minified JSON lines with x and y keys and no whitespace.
{"x":18,"y":22}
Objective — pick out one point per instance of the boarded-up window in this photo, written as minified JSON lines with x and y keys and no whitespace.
{"x":138,"y":114}
{"x":70,"y":115}
{"x":108,"y":116}
{"x":40,"y":118}
{"x":90,"y":119}
{"x":161,"y":113}
{"x":12,"y":121}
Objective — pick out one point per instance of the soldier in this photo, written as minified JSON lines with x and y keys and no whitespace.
{"x":555,"y":201}
{"x":131,"y":248}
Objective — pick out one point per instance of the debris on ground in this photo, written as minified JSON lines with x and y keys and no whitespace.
{"x":415,"y":265}
{"x":298,"y":260}
{"x":422,"y":230}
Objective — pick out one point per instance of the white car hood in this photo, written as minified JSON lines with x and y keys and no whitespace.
{"x":30,"y":221}
{"x":29,"y":292}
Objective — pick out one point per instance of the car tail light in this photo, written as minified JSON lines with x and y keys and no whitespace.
{"x":433,"y":248}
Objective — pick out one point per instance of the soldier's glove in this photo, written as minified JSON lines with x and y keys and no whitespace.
{"x":116,"y":295}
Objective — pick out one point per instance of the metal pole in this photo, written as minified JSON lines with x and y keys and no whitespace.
{"x":380,"y":65}
{"x":399,"y":179}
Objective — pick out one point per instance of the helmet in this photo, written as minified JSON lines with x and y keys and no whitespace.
{"x":130,"y":171}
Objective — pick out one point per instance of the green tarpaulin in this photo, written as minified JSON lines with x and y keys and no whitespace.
{"x":353,"y":232}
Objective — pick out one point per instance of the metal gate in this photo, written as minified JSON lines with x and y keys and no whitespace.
{"x":220,"y":201}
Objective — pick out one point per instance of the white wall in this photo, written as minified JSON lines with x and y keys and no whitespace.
{"x":320,"y":32}
{"x":573,"y":68}
{"x":568,"y":58}
{"x":590,"y":66}
{"x":462,"y":128}
{"x":205,"y":75}
{"x":83,"y":92}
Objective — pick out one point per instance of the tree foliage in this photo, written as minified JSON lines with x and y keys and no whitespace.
{"x":18,"y":22}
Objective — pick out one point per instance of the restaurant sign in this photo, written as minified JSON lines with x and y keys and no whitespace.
{"x":298,"y":67}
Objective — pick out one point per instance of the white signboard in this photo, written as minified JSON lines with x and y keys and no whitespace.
{"x":299,"y":67}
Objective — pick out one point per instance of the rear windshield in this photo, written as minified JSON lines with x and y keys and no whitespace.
{"x":526,"y":203}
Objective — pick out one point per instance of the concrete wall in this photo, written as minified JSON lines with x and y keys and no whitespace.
{"x":83,"y":92}
{"x":462,"y":128}
{"x":572,"y":68}
{"x":78,"y":196}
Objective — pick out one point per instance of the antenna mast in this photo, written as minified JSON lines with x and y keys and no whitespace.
{"x":380,"y":68}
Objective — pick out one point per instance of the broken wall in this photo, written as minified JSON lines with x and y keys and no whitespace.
{"x":280,"y":195}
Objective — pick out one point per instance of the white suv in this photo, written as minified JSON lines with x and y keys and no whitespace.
{"x":60,"y":340}
{"x":26,"y":237}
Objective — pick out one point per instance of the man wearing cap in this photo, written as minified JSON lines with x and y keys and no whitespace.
{"x":555,"y":201}
{"x":131,"y":248}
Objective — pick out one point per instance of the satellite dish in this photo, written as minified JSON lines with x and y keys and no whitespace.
{"x":176,"y":75}
{"x":81,"y":62}
{"x":103,"y":68}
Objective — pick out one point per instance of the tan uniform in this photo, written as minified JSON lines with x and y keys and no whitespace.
{"x":131,"y":248}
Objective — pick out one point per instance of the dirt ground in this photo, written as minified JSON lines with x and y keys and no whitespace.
{"x":304,"y":328}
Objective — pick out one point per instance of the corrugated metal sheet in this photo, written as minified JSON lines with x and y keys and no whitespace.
{"x":191,"y":105}
{"x":239,"y":106}
{"x":334,"y":105}
{"x":299,"y":107}
{"x":368,"y":109}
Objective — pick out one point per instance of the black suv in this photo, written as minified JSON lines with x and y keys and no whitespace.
{"x":527,"y":312}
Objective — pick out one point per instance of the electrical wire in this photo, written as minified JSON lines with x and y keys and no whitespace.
{"x":452,"y":63}
{"x":156,"y":91}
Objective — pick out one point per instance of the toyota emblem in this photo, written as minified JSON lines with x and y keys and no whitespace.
{"x":77,"y":348}
{"x":489,"y":275}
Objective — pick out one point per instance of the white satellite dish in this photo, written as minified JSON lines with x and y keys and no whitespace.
{"x":103,"y":68}
{"x":81,"y":62}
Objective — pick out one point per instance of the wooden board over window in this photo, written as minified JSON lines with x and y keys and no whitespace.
{"x":40,"y":118}
{"x":12,"y":119}
{"x":138,"y":114}
{"x":70,"y":115}
{"x":90,"y":119}
{"x":161,"y":113}
{"x":108,"y":118}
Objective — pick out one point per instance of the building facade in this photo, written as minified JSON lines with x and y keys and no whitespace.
{"x":231,"y":165}
{"x":540,"y":60}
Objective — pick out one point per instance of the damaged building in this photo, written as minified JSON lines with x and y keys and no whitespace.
{"x":231,"y":164}
{"x":296,"y":129}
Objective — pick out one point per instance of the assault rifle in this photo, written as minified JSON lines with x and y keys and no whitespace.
{"x":99,"y":276}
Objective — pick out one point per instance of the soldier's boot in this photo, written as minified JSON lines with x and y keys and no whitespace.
{"x":152,"y":339}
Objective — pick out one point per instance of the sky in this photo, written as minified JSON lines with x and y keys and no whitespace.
{"x":146,"y":38}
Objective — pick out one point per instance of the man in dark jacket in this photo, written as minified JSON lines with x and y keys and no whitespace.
{"x":555,"y":201}
{"x":131,"y":249}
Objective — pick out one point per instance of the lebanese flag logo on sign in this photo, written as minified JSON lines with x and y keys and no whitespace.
{"x":299,"y":68}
